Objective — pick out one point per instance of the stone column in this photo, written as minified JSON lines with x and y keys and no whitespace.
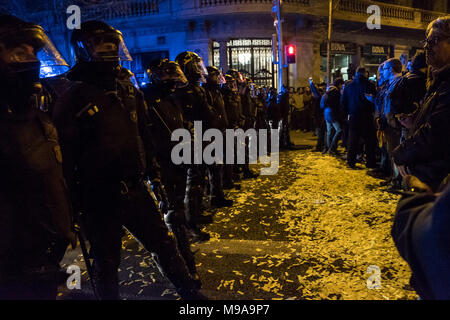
{"x":305,"y":66}
{"x":356,"y":58}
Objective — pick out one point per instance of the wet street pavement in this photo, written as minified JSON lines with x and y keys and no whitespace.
{"x":315,"y":230}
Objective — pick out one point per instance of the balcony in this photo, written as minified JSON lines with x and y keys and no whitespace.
{"x":163,"y":11}
{"x":351,"y":10}
{"x":209,"y":3}
{"x":391,"y":15}
{"x":122,"y":9}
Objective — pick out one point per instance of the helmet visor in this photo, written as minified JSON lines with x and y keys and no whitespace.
{"x":202,"y":70}
{"x":221,"y":79}
{"x":31,"y":44}
{"x":104,"y":46}
{"x":168,"y":71}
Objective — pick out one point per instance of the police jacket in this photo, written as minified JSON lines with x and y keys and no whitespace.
{"x":35,"y":209}
{"x":247,"y":105}
{"x":194,"y":103}
{"x":427,"y":151}
{"x":215,"y":99}
{"x":165,"y":116}
{"x":261,"y":112}
{"x":103,"y":129}
{"x":232,"y":103}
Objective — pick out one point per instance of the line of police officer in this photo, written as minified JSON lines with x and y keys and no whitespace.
{"x":80,"y":149}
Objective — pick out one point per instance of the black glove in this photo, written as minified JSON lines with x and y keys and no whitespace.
{"x":161,"y":196}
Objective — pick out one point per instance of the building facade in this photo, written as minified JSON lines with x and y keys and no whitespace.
{"x":239,"y":33}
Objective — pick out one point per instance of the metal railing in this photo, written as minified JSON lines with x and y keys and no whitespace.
{"x":388,"y":11}
{"x":428,"y":16}
{"x":211,"y":3}
{"x":122,"y":9}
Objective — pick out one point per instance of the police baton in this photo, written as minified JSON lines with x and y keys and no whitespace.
{"x":87,"y":261}
{"x":161,"y":119}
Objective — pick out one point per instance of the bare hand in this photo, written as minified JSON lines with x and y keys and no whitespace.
{"x":402,"y":170}
{"x":416,"y":185}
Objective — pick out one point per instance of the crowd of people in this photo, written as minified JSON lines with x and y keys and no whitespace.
{"x":399,"y":128}
{"x":87,"y":154}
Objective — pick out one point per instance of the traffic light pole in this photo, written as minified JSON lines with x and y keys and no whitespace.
{"x":330,"y":23}
{"x":280,"y":46}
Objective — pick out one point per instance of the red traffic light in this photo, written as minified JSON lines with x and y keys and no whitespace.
{"x":290,"y":53}
{"x":291,"y":49}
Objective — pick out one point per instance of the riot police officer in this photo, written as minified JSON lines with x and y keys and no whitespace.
{"x":232,"y":108}
{"x":35,"y":211}
{"x":215,"y":171}
{"x":166,"y":117}
{"x":195,"y":107}
{"x":249,"y":116}
{"x":102,"y":121}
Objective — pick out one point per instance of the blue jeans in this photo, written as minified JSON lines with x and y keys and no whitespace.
{"x":333,"y":134}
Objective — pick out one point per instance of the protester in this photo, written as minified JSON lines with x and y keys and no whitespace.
{"x":318,"y":118}
{"x":426,"y":153}
{"x":330,"y":103}
{"x":421,"y":234}
{"x":360,"y":118}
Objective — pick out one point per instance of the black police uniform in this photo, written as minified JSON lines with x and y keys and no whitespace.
{"x":232,"y":102}
{"x":165,"y":117}
{"x":35,"y":211}
{"x":192,"y":100}
{"x":249,"y":113}
{"x":34,"y":205}
{"x":102,"y":124}
{"x":215,"y":171}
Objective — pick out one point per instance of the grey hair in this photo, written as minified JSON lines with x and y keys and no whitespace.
{"x":441,"y":25}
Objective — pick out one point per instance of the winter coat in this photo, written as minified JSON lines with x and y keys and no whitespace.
{"x":354,"y":101}
{"x":426,"y":152}
{"x":408,"y":93}
{"x":330,"y":103}
{"x":421,"y":233}
{"x":273,"y":109}
{"x":284,"y":105}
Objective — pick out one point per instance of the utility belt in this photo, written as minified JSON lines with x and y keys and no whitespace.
{"x":110,"y":186}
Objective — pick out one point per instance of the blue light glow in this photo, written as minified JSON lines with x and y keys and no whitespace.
{"x":50,"y":70}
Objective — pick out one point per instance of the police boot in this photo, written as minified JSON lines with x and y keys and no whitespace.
{"x":176,"y":224}
{"x":249,"y":174}
{"x":221,"y":202}
{"x":173,"y":267}
{"x":194,"y":208}
{"x":106,"y":282}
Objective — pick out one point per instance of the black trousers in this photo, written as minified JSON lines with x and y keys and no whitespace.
{"x":195,"y":183}
{"x":361,"y":129}
{"x":174,"y":181}
{"x":215,"y":178}
{"x":321,"y":131}
{"x":109,"y":207}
